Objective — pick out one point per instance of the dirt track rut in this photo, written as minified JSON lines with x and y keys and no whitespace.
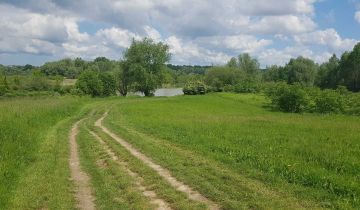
{"x":83,"y":193}
{"x":192,"y":194}
{"x":154,"y":199}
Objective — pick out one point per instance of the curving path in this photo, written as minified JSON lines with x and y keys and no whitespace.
{"x":154,"y":199}
{"x":192,"y":194}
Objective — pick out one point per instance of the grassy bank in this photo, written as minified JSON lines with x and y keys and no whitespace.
{"x":34,"y":152}
{"x":267,"y":159}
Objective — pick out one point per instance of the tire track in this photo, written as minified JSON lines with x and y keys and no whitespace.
{"x":154,"y":199}
{"x":83,"y":194}
{"x":192,"y":194}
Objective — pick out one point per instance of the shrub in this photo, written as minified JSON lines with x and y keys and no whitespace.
{"x":76,"y":92}
{"x":89,"y":83}
{"x":329,"y":101}
{"x":194,"y":88}
{"x":108,"y":83}
{"x":288,"y":98}
{"x":247,"y":86}
{"x":229,"y":88}
{"x":2,"y":90}
{"x":38,"y":82}
{"x":352,"y":104}
{"x":65,"y":89}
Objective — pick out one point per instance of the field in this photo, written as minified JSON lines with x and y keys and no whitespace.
{"x":230,"y":150}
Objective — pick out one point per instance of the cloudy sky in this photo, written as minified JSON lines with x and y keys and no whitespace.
{"x":198,"y":32}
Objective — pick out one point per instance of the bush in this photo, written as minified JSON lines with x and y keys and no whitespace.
{"x":89,"y":83}
{"x":194,"y":88}
{"x":229,"y":88}
{"x":76,"y":92}
{"x":3,"y":90}
{"x":296,"y":98}
{"x":329,"y":101}
{"x":288,"y":98}
{"x":65,"y":89}
{"x":246,"y":86}
{"x":352,"y":104}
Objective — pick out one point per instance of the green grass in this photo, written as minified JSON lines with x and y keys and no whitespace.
{"x":229,"y":147}
{"x":113,"y":187}
{"x":34,"y":152}
{"x":267,"y":159}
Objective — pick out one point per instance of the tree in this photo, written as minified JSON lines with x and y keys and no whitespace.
{"x":301,"y":70}
{"x":218,"y":77}
{"x":123,"y":78}
{"x":250,"y":65}
{"x":108,"y":84}
{"x":327,"y":76}
{"x":79,"y":63}
{"x":349,"y":71}
{"x":232,"y":63}
{"x":103,"y":64}
{"x":89,"y":83}
{"x":65,"y":67}
{"x":145,"y":61}
{"x":275,"y":74}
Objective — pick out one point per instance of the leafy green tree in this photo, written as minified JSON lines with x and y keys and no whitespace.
{"x":89,"y":83}
{"x":218,"y":77}
{"x":124,"y":78}
{"x":103,"y":64}
{"x":327,"y":76}
{"x":301,"y":70}
{"x":79,"y":63}
{"x":275,"y":73}
{"x":349,"y":71}
{"x":145,"y":61}
{"x":108,"y":84}
{"x":232,"y":63}
{"x":250,"y":65}
{"x":64,"y":67}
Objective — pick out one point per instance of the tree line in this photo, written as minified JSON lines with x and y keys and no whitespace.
{"x":144,"y":67}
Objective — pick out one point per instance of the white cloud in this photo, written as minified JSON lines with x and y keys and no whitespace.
{"x":282,"y":56}
{"x":357,"y":16}
{"x":205,"y":32}
{"x":187,"y":52}
{"x":116,"y":36}
{"x":152,"y":33}
{"x":28,"y":32}
{"x":237,"y":44}
{"x":289,"y":24}
{"x":329,"y":38}
{"x":186,"y":18}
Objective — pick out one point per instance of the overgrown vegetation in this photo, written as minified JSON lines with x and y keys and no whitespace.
{"x":33,"y":155}
{"x":298,"y":98}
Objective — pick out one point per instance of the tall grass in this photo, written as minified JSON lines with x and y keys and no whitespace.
{"x":312,"y":157}
{"x":24,"y":127}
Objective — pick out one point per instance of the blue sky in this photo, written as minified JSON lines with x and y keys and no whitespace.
{"x":201,"y":32}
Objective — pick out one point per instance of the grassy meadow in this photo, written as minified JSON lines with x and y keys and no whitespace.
{"x":241,"y":154}
{"x":231,"y":148}
{"x":33,"y":151}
